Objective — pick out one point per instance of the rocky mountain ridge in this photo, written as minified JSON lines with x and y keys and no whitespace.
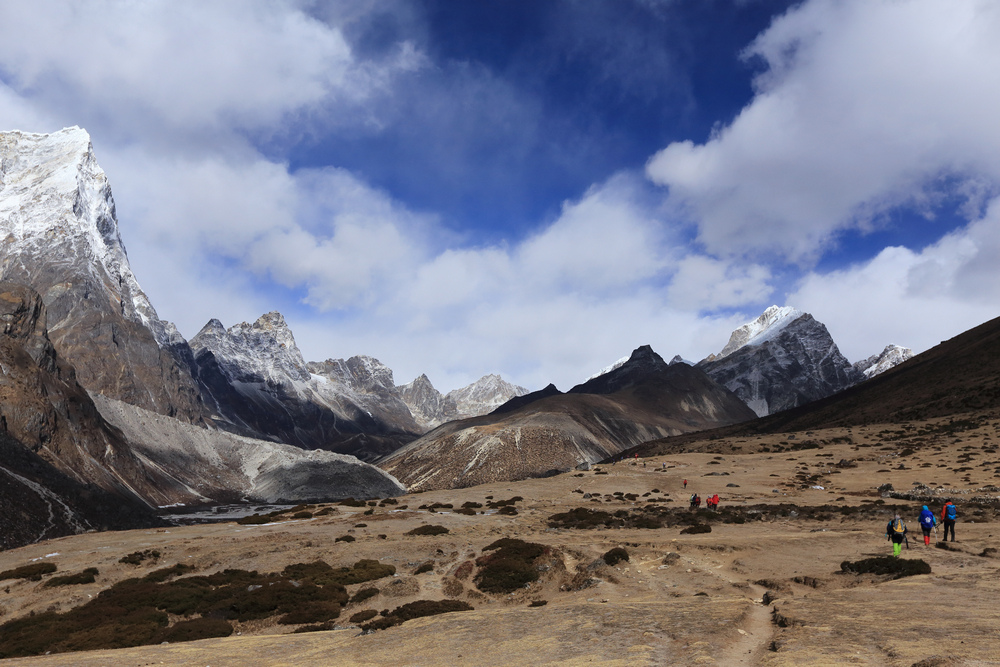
{"x":549,"y":431}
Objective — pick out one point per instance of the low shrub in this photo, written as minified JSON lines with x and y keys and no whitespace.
{"x":317,"y":611}
{"x":364,"y":594}
{"x":254,"y":520}
{"x":615,"y":556}
{"x":696,"y":529}
{"x":509,"y":567}
{"x":428,"y":530}
{"x":302,"y":515}
{"x":345,"y":538}
{"x":137,"y":557}
{"x":362,"y":616}
{"x":196,"y":628}
{"x":507,"y":511}
{"x":351,"y":502}
{"x":417,"y":609}
{"x":32,"y":572}
{"x":85,"y":577}
{"x":157,"y":576}
{"x":426,"y":567}
{"x":887,"y":566}
{"x":538,"y":603}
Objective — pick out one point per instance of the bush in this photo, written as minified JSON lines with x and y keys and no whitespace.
{"x":362,"y":616}
{"x":428,"y":530}
{"x":417,"y":609}
{"x":615,"y":556}
{"x":253,"y":520}
{"x":887,"y":565}
{"x":196,"y":628}
{"x":509,"y":567}
{"x":137,"y":557}
{"x":32,"y":572}
{"x":364,"y":594}
{"x":302,"y":515}
{"x":345,"y":538}
{"x":312,"y":612}
{"x":85,"y":577}
{"x":696,"y":529}
{"x":351,"y":502}
{"x":426,"y":567}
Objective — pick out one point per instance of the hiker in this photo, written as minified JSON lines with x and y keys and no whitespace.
{"x":685,"y":484}
{"x":895,"y":531}
{"x":715,"y":501}
{"x":928,"y":521}
{"x":949,"y":513}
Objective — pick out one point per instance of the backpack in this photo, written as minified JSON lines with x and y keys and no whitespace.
{"x":952,"y":513}
{"x":897,"y":526}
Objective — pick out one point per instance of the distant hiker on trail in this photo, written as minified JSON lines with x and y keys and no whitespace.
{"x":685,"y":484}
{"x":949,"y":514}
{"x":695,"y":500}
{"x":715,"y":501}
{"x":895,"y":531}
{"x":927,"y":522}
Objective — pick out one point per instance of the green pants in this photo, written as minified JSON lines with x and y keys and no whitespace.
{"x":897,"y":547}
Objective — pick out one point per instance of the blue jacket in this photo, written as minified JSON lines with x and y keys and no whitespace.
{"x":927,"y":518}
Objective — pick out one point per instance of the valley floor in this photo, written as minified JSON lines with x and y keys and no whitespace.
{"x":768,"y":591}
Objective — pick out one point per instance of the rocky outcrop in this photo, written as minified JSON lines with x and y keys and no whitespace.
{"x":257,"y":383}
{"x":644,"y":399}
{"x":783,"y":359}
{"x":59,"y":235}
{"x":63,"y":469}
{"x":430,"y":409}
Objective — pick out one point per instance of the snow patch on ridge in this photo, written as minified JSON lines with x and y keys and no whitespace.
{"x":766,"y":327}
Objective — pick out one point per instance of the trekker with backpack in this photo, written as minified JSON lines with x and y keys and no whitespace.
{"x":895,"y":530}
{"x":949,"y":514}
{"x":927,"y":521}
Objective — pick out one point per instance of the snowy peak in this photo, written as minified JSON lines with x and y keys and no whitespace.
{"x":431,"y":409}
{"x":766,"y":327}
{"x":360,"y":373}
{"x":891,"y":356}
{"x":55,"y":201}
{"x":264,"y":351}
{"x":607,"y":369}
{"x":484,"y":395}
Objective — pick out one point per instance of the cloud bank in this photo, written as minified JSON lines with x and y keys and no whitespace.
{"x":866,"y":115}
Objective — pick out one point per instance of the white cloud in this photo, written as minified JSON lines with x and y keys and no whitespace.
{"x":914,"y":299}
{"x":864,"y":104}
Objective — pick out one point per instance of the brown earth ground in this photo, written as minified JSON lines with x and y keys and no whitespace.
{"x":680,"y":599}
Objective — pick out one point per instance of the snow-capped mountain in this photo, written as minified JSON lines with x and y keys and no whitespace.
{"x":431,"y":409}
{"x":782,"y":359}
{"x":255,"y":377}
{"x":60,"y":236}
{"x":891,"y":356}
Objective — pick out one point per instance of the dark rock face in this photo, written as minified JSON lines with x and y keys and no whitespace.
{"x":642,"y":365}
{"x":801,"y":363}
{"x":427,"y":405}
{"x":521,"y":401}
{"x":642,"y":400}
{"x":62,"y":469}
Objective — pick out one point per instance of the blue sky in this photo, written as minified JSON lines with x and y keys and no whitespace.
{"x":536,"y":188}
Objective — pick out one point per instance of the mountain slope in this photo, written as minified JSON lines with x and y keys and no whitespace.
{"x":960,"y":375}
{"x":431,"y":409}
{"x":60,"y":236}
{"x":645,"y":399}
